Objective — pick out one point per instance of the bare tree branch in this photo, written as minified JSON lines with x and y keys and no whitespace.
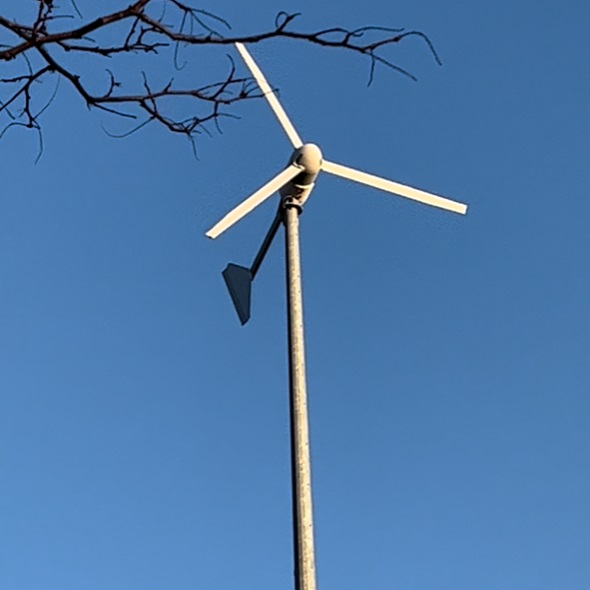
{"x":49,"y":46}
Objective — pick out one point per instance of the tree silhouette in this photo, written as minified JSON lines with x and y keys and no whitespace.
{"x":127,"y":47}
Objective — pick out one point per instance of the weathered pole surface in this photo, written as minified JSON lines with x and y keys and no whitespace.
{"x":305,"y":578}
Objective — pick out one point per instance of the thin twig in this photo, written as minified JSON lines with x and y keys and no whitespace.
{"x":46,"y":45}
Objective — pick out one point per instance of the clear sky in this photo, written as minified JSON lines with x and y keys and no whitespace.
{"x":144,"y":433}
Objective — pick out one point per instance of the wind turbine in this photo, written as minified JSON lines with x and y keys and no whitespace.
{"x":294,"y":185}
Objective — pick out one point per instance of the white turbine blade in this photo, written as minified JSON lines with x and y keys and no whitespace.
{"x":269,"y":94}
{"x":394,"y":187}
{"x":263,"y":193}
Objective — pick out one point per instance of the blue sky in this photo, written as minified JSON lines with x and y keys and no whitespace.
{"x":144,"y":433}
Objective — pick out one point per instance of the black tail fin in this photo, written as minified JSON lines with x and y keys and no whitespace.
{"x":239,"y":283}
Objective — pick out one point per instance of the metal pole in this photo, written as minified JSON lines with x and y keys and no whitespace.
{"x":300,"y":457}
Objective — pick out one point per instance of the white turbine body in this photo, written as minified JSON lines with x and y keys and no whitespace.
{"x":309,"y":158}
{"x":295,"y":184}
{"x":306,"y":162}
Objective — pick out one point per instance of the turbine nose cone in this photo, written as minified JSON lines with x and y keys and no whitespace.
{"x":310,"y":157}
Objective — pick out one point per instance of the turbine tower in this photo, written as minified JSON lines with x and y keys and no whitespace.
{"x":294,"y":184}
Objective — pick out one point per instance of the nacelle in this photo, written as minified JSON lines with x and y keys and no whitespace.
{"x":309,"y":158}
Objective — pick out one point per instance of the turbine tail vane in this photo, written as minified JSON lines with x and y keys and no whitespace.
{"x":270,"y":96}
{"x":394,"y":187}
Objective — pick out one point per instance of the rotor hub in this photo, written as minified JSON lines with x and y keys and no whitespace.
{"x":309,"y":158}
